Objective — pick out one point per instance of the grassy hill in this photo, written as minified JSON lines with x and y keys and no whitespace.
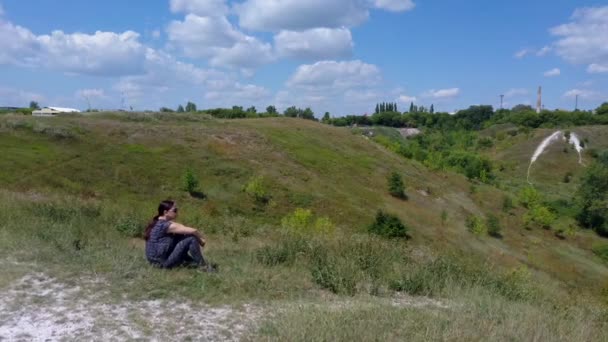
{"x":77,"y":187}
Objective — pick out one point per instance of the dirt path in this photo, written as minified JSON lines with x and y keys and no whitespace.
{"x":39,"y":308}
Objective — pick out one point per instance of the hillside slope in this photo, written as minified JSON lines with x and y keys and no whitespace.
{"x":132,"y":162}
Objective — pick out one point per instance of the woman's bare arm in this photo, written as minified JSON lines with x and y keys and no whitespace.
{"x":178,"y":228}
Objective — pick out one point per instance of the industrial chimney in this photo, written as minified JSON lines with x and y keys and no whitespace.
{"x":539,"y":101}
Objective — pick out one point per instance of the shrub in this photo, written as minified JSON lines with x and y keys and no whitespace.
{"x":507,"y":204}
{"x":568,"y":177}
{"x":601,"y":251}
{"x":303,"y":222}
{"x":493,"y":224}
{"x":286,"y":252}
{"x":129,"y":226}
{"x":388,"y":226}
{"x":444,"y":217}
{"x":191,"y":182}
{"x":539,"y":216}
{"x":395,"y":186}
{"x":337,"y":274}
{"x":476,"y":225}
{"x":529,"y":197}
{"x":255,"y":188}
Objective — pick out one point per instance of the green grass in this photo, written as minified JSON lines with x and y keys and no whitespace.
{"x":78,"y":202}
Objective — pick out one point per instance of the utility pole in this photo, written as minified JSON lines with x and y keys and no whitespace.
{"x":576,"y":103}
{"x":501,"y":98}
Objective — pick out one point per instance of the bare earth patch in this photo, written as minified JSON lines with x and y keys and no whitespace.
{"x":37,"y":307}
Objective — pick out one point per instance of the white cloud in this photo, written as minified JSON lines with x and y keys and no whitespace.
{"x":407,"y":99}
{"x":552,"y":73}
{"x":315,"y":44}
{"x":102,"y":53}
{"x":582,"y":93}
{"x":1,"y":10}
{"x":238,"y":92}
{"x":544,"y":51}
{"x":197,"y":36}
{"x":246,"y":54}
{"x":513,"y":92}
{"x":395,"y":5}
{"x":522,"y":53}
{"x":156,"y":34}
{"x":336,"y":75}
{"x":91,"y":93}
{"x":597,"y":68}
{"x":443,"y":93}
{"x":584,"y":40}
{"x":276,"y":15}
{"x":199,"y":7}
{"x":217,"y":39}
{"x":19,"y":98}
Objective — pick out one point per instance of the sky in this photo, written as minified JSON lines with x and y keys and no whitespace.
{"x":340,"y":56}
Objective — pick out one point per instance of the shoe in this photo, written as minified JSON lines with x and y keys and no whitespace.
{"x":209,"y":268}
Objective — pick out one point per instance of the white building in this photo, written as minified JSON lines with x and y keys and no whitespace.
{"x":52,"y":111}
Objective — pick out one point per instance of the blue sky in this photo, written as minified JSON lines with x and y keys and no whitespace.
{"x":340,"y":56}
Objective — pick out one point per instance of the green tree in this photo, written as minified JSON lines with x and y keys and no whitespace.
{"x":326,"y":117}
{"x":34,"y":105}
{"x":272,"y":110}
{"x":592,"y":196}
{"x":291,"y":112}
{"x":180,"y":109}
{"x":603,"y":109}
{"x":388,"y":226}
{"x":191,"y":183}
{"x":395,"y":186}
{"x":412,"y":107}
{"x":252,"y":109}
{"x":190,"y":107}
{"x":165,"y":110}
{"x":432,"y":110}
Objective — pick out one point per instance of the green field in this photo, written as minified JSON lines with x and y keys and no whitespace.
{"x":76,"y":191}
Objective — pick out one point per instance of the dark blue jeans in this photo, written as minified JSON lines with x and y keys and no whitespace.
{"x":187,"y":252}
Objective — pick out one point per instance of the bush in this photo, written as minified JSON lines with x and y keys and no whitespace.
{"x":337,"y":274}
{"x":493,"y":224}
{"x":476,"y":225}
{"x":191,"y":182}
{"x":256,"y":190}
{"x":129,"y":226}
{"x":539,"y":216}
{"x":568,"y":177}
{"x":285,"y":252}
{"x":507,"y":204}
{"x":395,"y":186}
{"x":601,"y":251}
{"x":388,"y":226}
{"x":303,"y":222}
{"x":529,"y":197}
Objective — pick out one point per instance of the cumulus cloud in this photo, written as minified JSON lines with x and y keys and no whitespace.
{"x":19,"y":98}
{"x":216,"y":38}
{"x":199,"y":7}
{"x":395,"y":5}
{"x":276,"y":15}
{"x":522,"y":53}
{"x":597,"y":68}
{"x":91,"y":93}
{"x":443,"y":93}
{"x":315,"y":44}
{"x":336,"y":75}
{"x":584,"y":40}
{"x":238,"y":92}
{"x":407,"y":99}
{"x":101,"y":53}
{"x":552,"y":73}
{"x":544,"y":51}
{"x":582,"y":93}
{"x":513,"y":92}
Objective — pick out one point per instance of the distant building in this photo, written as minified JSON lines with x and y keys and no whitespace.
{"x":52,"y":111}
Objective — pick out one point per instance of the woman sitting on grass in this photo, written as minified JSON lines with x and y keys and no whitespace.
{"x":170,"y":244}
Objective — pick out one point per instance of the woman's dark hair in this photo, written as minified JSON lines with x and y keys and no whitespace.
{"x":162,"y":207}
